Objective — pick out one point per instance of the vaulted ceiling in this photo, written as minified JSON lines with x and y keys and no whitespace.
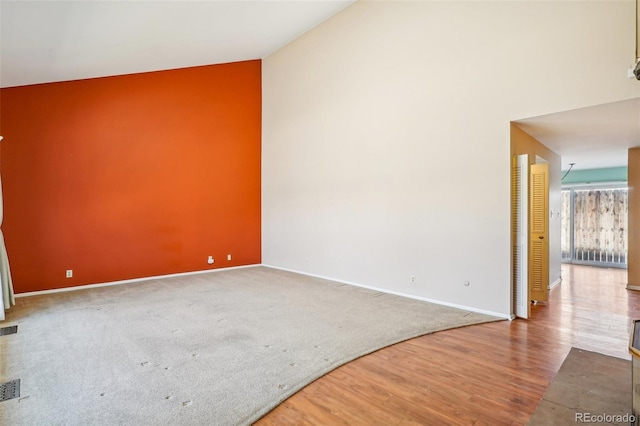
{"x":49,"y":41}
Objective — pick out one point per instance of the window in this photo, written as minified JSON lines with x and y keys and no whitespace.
{"x":594,"y":226}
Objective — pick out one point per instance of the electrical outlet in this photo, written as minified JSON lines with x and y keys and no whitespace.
{"x":413,"y":279}
{"x":228,"y":257}
{"x":69,"y":273}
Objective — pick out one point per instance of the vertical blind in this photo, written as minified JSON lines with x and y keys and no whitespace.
{"x":599,"y":229}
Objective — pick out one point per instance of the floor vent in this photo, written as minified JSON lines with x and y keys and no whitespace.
{"x":8,"y":330}
{"x":10,"y":390}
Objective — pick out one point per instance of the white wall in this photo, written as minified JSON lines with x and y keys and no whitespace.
{"x":386,"y":135}
{"x":555,"y":225}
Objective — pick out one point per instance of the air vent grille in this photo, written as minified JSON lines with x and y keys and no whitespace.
{"x":8,"y":330}
{"x":10,"y":390}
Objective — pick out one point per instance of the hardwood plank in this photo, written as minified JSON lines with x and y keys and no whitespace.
{"x":487,"y":374}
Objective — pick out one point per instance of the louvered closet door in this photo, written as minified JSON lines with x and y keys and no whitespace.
{"x":539,"y":232}
{"x":520,"y":226}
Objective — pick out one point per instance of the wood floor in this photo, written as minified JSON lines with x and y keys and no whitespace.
{"x":488,"y":374}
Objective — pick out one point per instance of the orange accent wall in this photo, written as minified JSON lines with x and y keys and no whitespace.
{"x":132,"y":176}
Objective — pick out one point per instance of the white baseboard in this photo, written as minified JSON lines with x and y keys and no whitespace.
{"x":135,"y":280}
{"x":633,"y":287}
{"x":382,"y":290}
{"x":555,"y":283}
{"x":183,"y":274}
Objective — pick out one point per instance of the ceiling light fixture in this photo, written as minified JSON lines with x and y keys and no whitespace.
{"x":570,"y":167}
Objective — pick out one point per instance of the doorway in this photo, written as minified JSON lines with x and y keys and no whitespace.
{"x":540,"y":265}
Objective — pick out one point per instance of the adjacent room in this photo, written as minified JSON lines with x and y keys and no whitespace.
{"x":318,"y":212}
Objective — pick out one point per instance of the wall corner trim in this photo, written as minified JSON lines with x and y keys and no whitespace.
{"x":555,"y":283}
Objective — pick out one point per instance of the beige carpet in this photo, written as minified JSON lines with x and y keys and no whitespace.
{"x":590,"y":386}
{"x":218,"y":348}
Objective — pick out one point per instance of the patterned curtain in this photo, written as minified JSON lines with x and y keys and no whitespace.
{"x":600,"y":221}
